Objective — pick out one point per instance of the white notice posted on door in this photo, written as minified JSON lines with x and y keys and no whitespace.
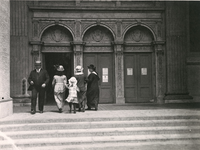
{"x":104,"y":74}
{"x":143,"y":71}
{"x":129,"y":71}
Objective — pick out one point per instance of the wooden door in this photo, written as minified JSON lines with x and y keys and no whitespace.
{"x":104,"y":67}
{"x":138,"y":77}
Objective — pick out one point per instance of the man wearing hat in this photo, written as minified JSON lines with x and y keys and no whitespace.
{"x":38,"y":80}
{"x":81,"y":83}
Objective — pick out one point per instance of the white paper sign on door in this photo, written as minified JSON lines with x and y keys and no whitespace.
{"x":104,"y":74}
{"x":129,"y":71}
{"x":143,"y":71}
{"x":105,"y":79}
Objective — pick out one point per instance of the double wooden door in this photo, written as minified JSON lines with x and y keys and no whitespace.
{"x":105,"y":69}
{"x":138,"y":77}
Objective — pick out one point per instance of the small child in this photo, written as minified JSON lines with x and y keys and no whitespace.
{"x":72,"y":97}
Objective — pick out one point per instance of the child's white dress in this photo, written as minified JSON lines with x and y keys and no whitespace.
{"x":72,"y":97}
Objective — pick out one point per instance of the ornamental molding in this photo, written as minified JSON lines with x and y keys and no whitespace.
{"x":97,"y":35}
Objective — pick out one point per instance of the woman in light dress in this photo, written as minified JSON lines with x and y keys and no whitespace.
{"x":59,"y":83}
{"x":72,"y":97}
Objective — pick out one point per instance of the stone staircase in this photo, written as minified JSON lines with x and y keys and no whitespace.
{"x":145,"y":132}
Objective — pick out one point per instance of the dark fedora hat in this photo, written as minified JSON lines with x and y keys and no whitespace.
{"x":92,"y":67}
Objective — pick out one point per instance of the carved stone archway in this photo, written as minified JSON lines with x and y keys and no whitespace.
{"x":139,"y":39}
{"x":99,"y":50}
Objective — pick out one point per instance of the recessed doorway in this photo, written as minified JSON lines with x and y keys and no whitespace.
{"x":52,"y":59}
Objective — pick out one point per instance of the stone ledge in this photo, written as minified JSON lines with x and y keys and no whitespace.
{"x":21,"y":100}
{"x":6,"y":108}
{"x":180,"y":101}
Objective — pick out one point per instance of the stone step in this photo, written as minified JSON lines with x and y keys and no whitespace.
{"x":96,"y":124}
{"x":103,"y":132}
{"x":154,"y":145}
{"x":55,"y":141}
{"x":71,"y":118}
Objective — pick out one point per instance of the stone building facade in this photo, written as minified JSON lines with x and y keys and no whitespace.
{"x":6,"y":103}
{"x":141,"y":49}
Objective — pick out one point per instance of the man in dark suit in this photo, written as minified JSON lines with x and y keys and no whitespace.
{"x":38,"y":80}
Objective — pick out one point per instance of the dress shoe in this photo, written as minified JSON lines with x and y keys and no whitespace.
{"x":41,"y":111}
{"x":96,"y":109}
{"x":60,"y":110}
{"x":88,"y":108}
{"x":32,"y":112}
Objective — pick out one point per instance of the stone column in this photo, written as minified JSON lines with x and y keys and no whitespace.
{"x":160,"y":73}
{"x":78,"y":53}
{"x":119,"y":72}
{"x":176,"y":49}
{"x":6,"y":103}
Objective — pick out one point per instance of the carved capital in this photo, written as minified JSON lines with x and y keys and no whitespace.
{"x":36,"y":46}
{"x":159,"y":47}
{"x":118,"y":47}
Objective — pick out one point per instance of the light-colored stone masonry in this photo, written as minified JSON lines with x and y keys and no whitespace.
{"x":5,"y":100}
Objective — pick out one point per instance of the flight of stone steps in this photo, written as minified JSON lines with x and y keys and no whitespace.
{"x":100,"y":133}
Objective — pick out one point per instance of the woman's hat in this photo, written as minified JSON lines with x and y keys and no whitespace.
{"x":92,"y":67}
{"x":60,"y":68}
{"x":79,"y":68}
{"x":72,"y":80}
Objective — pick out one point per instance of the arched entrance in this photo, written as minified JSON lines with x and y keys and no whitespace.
{"x":139,"y":76}
{"x":98,"y":50}
{"x":56,"y":50}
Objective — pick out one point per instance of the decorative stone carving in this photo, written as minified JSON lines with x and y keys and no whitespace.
{"x":137,"y":35}
{"x":159,"y":70}
{"x":153,"y":27}
{"x":44,"y":24}
{"x":78,"y":58}
{"x":36,"y":49}
{"x":125,"y":25}
{"x":118,"y":29}
{"x":119,"y":76}
{"x":56,"y":49}
{"x":98,"y":49}
{"x":69,"y":24}
{"x":119,"y":71}
{"x":78,"y":28}
{"x":159,"y":30}
{"x":78,"y":52}
{"x":57,"y":35}
{"x":137,"y":48}
{"x":85,"y":25}
{"x":35,"y":28}
{"x":112,"y":26}
{"x":97,"y":35}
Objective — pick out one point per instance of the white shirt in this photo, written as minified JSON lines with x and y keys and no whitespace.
{"x":38,"y":71}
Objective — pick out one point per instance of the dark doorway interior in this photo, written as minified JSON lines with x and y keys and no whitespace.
{"x":51,"y":59}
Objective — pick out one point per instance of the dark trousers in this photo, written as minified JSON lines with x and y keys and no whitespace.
{"x":41,"y":93}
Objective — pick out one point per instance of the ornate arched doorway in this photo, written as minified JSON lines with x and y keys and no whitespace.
{"x":99,"y":51}
{"x":56,"y":50}
{"x":139,"y":76}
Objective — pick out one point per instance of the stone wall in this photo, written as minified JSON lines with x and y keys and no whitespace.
{"x":5,"y":100}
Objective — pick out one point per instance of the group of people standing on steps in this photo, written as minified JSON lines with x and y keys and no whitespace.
{"x":82,"y":90}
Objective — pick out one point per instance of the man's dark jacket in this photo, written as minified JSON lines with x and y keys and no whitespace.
{"x":38,"y":79}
